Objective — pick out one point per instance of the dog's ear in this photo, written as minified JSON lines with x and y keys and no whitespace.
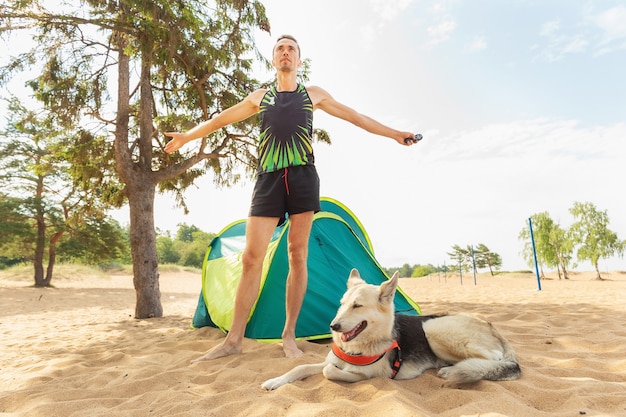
{"x":354,"y":278}
{"x":388,"y":289}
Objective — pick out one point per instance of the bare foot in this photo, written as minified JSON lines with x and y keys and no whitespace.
{"x":219,"y":351}
{"x":291,"y":349}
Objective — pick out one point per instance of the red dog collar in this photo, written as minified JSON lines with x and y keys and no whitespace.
{"x":362,"y":360}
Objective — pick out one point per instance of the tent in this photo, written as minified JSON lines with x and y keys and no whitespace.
{"x":337,"y":244}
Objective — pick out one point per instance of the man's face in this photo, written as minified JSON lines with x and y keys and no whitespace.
{"x":286,"y":55}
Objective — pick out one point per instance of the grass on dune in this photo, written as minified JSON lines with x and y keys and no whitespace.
{"x":25,"y":272}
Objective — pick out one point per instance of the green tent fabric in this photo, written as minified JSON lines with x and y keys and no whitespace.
{"x":337,"y":244}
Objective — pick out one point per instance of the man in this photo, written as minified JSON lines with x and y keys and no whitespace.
{"x":287,"y":182}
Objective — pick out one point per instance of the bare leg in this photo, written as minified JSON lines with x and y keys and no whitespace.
{"x":258,"y":233}
{"x":298,"y":243}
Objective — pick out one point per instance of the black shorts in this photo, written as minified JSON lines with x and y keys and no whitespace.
{"x":290,"y":190}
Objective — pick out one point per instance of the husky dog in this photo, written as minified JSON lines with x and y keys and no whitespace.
{"x":370,"y":340}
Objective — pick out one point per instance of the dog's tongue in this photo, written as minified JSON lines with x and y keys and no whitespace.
{"x":345,"y":337}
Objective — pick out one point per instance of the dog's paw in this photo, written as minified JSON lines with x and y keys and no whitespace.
{"x":444,"y":372}
{"x":273,"y":383}
{"x":459,"y":375}
{"x":448,"y":372}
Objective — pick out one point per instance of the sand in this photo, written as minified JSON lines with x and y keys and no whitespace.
{"x":76,"y":350}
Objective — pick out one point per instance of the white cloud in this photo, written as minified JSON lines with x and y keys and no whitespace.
{"x":550,"y":28}
{"x":575,"y":45}
{"x":478,"y":44}
{"x":389,"y":9}
{"x":557,"y":44}
{"x":598,"y":33}
{"x":441,"y":32}
{"x":612,"y":22}
{"x":375,"y":18}
{"x":541,"y":139}
{"x":442,"y":23}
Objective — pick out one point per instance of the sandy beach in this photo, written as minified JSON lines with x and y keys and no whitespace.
{"x":76,"y":350}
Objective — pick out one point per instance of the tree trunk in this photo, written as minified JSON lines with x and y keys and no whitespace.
{"x":40,"y":245}
{"x":140,"y":188}
{"x":143,"y":250}
{"x":52,"y":255}
{"x":598,"y":276}
{"x":40,"y":280}
{"x":141,"y":200}
{"x":564,"y":271}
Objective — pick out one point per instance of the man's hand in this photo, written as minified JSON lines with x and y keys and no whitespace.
{"x":178,"y":140}
{"x":412,"y":139}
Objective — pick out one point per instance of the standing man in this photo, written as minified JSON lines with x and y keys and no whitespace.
{"x":287,"y":182}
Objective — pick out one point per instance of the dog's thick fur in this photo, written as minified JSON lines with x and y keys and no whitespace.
{"x":467,"y":349}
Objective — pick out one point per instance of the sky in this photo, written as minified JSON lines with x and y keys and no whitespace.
{"x":522,"y":105}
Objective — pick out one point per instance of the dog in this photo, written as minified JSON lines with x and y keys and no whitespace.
{"x":370,"y":340}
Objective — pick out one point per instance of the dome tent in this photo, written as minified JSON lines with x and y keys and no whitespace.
{"x":338,"y":243}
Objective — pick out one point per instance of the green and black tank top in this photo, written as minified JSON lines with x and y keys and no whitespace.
{"x":286,"y":130}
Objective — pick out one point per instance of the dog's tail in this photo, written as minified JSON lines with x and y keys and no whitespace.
{"x":474,"y":369}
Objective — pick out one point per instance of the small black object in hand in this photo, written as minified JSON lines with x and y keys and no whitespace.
{"x":414,"y":139}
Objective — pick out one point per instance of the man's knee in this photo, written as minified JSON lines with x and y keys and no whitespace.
{"x":298,"y":255}
{"x":251,"y":258}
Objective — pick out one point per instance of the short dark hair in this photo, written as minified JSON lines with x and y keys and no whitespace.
{"x":281,"y":37}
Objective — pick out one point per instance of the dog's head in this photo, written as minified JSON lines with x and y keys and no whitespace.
{"x":366,"y":314}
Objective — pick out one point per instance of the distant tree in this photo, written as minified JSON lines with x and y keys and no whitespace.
{"x":48,"y":205}
{"x":96,"y":241}
{"x":563,"y":248}
{"x":390,"y":270}
{"x":480,"y":256}
{"x":16,"y":231}
{"x":125,"y":258}
{"x":487,"y":259}
{"x":405,"y":271}
{"x":591,"y":233}
{"x":542,"y":225}
{"x":193,"y":252}
{"x":461,"y":256}
{"x":423,"y":270}
{"x":166,"y":250}
{"x":187,"y":249}
{"x":185,"y":232}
